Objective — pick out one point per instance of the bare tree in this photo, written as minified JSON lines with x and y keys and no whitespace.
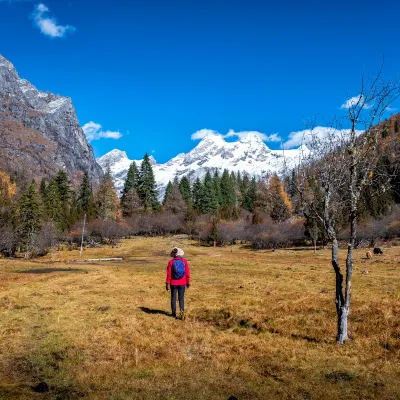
{"x":339,"y":165}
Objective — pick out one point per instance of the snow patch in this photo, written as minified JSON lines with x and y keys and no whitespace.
{"x":54,"y":105}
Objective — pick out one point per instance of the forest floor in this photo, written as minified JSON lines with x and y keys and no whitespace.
{"x":260,"y":325}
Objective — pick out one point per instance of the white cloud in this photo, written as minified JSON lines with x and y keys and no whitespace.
{"x":353,"y":101}
{"x":93,"y":131}
{"x":48,"y":25}
{"x":274,"y":137}
{"x":304,"y":137}
{"x":391,"y":109}
{"x":202,"y":133}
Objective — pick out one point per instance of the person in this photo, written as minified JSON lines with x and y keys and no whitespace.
{"x":178,"y":279}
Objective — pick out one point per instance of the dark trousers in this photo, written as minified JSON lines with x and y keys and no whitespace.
{"x":181,"y":296}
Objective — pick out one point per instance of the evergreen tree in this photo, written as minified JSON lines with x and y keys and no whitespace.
{"x":131,"y":182}
{"x":53,"y":206}
{"x":217,"y":188}
{"x":243,"y":188}
{"x":85,"y":200}
{"x":107,"y":200}
{"x":262,"y":202}
{"x":42,"y":189}
{"x":228,"y":195}
{"x":29,"y":215}
{"x":63,"y":186}
{"x":249,"y":196}
{"x":184,"y":187}
{"x":208,"y":201}
{"x":197,"y":194}
{"x":64,"y":190}
{"x":131,"y":203}
{"x":168,"y":190}
{"x":147,"y":185}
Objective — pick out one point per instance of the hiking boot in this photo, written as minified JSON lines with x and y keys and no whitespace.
{"x":182,"y":315}
{"x":173,"y":315}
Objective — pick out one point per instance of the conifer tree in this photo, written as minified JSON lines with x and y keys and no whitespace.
{"x":63,"y":186}
{"x":131,"y":204}
{"x":184,"y":187}
{"x":228,"y":195}
{"x":250,"y":195}
{"x":29,"y":215}
{"x":197,"y":194}
{"x":208,"y":201}
{"x":262,"y":202}
{"x":131,"y":182}
{"x":147,"y":185}
{"x":53,"y":206}
{"x":85,"y":200}
{"x":42,"y":189}
{"x":107,"y":200}
{"x":64,"y":189}
{"x":168,"y":190}
{"x":281,"y":206}
{"x":217,"y":188}
{"x":174,"y":201}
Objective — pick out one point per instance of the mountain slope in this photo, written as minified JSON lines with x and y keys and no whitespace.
{"x":39,"y":131}
{"x":249,"y":154}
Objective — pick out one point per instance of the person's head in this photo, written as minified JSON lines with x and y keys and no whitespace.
{"x":177,"y":252}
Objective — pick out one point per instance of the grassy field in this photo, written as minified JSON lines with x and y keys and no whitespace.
{"x":260,"y":325}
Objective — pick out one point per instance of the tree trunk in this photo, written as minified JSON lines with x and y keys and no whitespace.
{"x":339,"y":299}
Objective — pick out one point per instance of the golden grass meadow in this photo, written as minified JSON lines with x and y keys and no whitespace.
{"x":259,"y":325}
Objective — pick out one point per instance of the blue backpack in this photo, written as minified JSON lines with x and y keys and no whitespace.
{"x":178,"y":269}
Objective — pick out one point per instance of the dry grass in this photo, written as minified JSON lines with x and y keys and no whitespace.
{"x":260,"y":325}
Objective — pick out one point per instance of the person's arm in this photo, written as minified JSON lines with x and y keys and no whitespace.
{"x":187,"y":273}
{"x":169,"y":268}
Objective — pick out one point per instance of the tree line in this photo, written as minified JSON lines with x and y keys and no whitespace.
{"x":220,"y":208}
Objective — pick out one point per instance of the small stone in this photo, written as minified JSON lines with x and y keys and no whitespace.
{"x":364,"y":271}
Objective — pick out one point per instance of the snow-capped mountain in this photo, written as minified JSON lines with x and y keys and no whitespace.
{"x":249,"y":154}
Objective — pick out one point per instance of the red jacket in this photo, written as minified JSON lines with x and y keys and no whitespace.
{"x":183,"y":281}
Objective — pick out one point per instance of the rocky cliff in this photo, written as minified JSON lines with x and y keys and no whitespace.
{"x":39,"y":132}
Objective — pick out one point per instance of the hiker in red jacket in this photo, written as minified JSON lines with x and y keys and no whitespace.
{"x":178,"y":277}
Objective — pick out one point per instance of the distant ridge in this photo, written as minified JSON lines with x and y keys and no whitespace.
{"x":249,"y":154}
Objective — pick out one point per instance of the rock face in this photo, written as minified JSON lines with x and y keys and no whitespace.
{"x":39,"y":132}
{"x":249,"y":154}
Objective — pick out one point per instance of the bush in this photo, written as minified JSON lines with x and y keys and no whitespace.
{"x":156,"y":224}
{"x":41,"y":243}
{"x":8,"y":241}
{"x":270,"y":235}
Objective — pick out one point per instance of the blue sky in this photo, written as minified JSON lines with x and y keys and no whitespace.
{"x":154,"y":72}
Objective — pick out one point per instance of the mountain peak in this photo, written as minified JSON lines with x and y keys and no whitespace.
{"x":40,"y":131}
{"x":251,"y":137}
{"x":5,"y":63}
{"x":212,"y":138}
{"x":113,"y":157}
